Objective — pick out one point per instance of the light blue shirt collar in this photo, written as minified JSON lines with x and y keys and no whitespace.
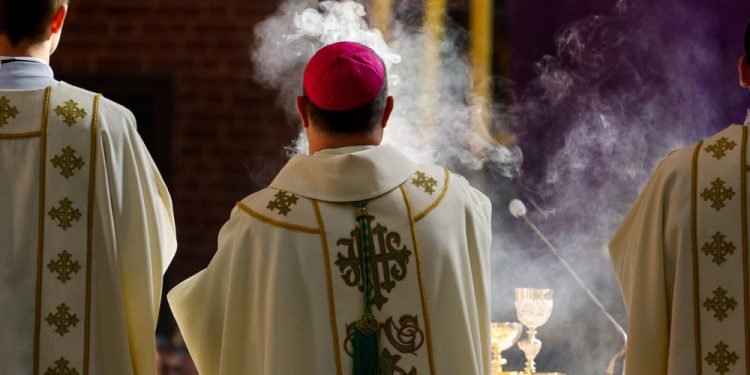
{"x":25,"y":73}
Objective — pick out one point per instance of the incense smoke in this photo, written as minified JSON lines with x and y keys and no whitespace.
{"x":622,"y":90}
{"x":289,"y":38}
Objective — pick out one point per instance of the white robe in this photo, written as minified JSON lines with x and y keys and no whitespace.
{"x":129,"y":233}
{"x":674,"y":326}
{"x":281,"y":292}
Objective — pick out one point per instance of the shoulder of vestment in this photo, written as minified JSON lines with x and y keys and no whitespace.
{"x":428,"y":188}
{"x":281,"y":209}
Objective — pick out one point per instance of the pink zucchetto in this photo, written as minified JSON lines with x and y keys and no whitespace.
{"x":343,"y":76}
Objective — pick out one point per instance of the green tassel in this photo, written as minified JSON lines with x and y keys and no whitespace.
{"x":366,"y":349}
{"x":367,"y":331}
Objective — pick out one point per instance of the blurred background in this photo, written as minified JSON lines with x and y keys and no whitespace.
{"x":591,"y":93}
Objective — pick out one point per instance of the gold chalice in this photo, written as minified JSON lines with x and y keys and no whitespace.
{"x":504,"y":336}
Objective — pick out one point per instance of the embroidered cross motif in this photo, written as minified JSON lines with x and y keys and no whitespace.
{"x":722,"y":358}
{"x":6,"y":111}
{"x":283,"y":203}
{"x":64,"y":267}
{"x":717,"y":194}
{"x":389,"y":364}
{"x":425,"y":182}
{"x":65,"y":214}
{"x":71,"y":112}
{"x":67,"y":162}
{"x":718,"y":248}
{"x":720,"y":304}
{"x":720,"y":148}
{"x":61,"y":368}
{"x":62,"y":319}
{"x":388,"y":263}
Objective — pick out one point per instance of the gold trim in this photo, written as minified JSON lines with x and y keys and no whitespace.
{"x":21,"y":135}
{"x":40,"y":245}
{"x":694,"y":235}
{"x":423,"y":297}
{"x":743,"y":197}
{"x":89,"y":235}
{"x":268,"y":220}
{"x":329,"y":284}
{"x":439,"y":199}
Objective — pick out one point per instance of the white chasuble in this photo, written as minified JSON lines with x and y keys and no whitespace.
{"x":681,"y":259}
{"x":284,"y":291}
{"x":86,"y":231}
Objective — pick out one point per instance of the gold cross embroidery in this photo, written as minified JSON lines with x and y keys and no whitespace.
{"x":71,"y":112}
{"x":719,"y":248}
{"x":388,"y":263}
{"x":67,"y":162}
{"x":283,"y":203}
{"x":720,"y":304}
{"x":64,"y":267}
{"x":6,"y":111}
{"x":65,"y":214}
{"x":428,"y":184}
{"x":717,"y":194}
{"x":61,"y":368}
{"x":720,"y":148}
{"x":722,"y":358}
{"x":62,"y":319}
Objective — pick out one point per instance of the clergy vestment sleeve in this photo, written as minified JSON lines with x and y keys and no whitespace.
{"x":140,"y":226}
{"x":479,"y":215}
{"x":199,"y":302}
{"x":641,"y":250}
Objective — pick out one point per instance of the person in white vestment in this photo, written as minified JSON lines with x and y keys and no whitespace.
{"x":681,"y":258}
{"x":355,"y":260}
{"x":86,"y":223}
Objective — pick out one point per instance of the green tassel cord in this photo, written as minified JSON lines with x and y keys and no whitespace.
{"x":367,"y":332}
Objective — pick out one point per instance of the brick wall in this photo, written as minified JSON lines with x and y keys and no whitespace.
{"x":226,"y":135}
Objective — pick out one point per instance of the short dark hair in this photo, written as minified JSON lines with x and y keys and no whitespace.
{"x":747,"y":43}
{"x":357,"y":120}
{"x":27,"y":19}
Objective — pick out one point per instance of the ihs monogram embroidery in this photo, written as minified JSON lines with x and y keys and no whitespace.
{"x":61,"y":368}
{"x":388,"y":263}
{"x":406,"y":336}
{"x":283,"y":203}
{"x":64,"y":267}
{"x":720,"y":148}
{"x":62,"y":319}
{"x":717,"y":194}
{"x":720,"y":304}
{"x":718,"y":248}
{"x":67,"y":162}
{"x":65,"y":214}
{"x":722,"y":358}
{"x":428,"y":184}
{"x":6,"y":111}
{"x":70,"y":112}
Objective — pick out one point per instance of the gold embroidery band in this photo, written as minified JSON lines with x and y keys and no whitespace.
{"x":40,"y":245}
{"x":420,"y":274}
{"x":720,"y":274}
{"x":694,"y":235}
{"x":67,"y":238}
{"x":90,"y":232}
{"x":268,"y":220}
{"x":329,"y":286}
{"x":21,"y":135}
{"x":439,"y":199}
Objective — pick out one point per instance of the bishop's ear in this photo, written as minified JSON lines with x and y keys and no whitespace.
{"x":302,"y":111}
{"x":744,"y":68}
